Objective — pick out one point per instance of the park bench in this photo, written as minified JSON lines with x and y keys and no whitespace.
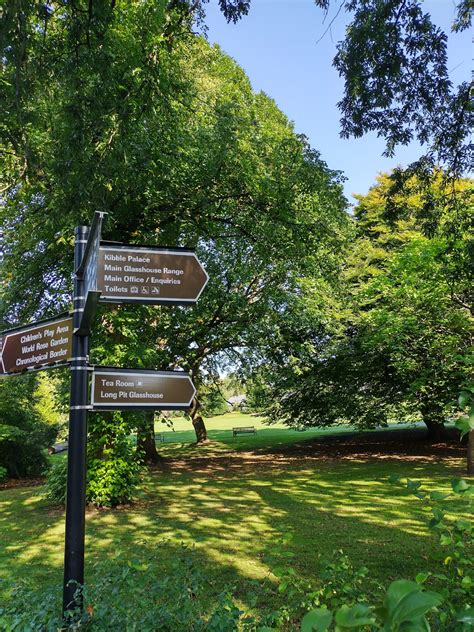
{"x":160,"y":437}
{"x":244,"y":430}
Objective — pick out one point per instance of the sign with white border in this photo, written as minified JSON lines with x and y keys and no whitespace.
{"x":145,"y":274}
{"x":125,"y":389}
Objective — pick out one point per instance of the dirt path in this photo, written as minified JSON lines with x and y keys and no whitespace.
{"x":396,"y":445}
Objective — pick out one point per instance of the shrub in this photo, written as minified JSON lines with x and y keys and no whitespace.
{"x":112,"y":479}
{"x":22,"y":449}
{"x":113,"y":465}
{"x":132,"y":594}
{"x":23,"y":435}
{"x":56,"y":482}
{"x":3,"y":473}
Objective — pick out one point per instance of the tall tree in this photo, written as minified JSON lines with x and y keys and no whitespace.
{"x":398,"y":351}
{"x":127,"y":112}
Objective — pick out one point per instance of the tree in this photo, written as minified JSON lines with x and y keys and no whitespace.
{"x":140,"y":118}
{"x":399,"y":351}
{"x":26,"y":429}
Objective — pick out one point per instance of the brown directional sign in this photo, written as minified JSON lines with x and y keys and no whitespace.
{"x":39,"y":344}
{"x":142,"y":274}
{"x":119,"y":389}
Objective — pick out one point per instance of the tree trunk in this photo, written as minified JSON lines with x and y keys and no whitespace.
{"x":433,"y":417}
{"x":146,"y":438}
{"x":436,"y":429}
{"x":198,"y":422}
{"x":470,"y":452}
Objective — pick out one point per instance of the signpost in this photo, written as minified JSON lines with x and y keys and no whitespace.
{"x":147,"y":274}
{"x":114,"y":273}
{"x":124,"y":389}
{"x":87,"y":273}
{"x":39,"y":345}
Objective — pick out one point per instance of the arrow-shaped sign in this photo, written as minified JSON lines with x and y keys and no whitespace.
{"x":123,"y":389}
{"x":42,"y":343}
{"x":143,"y":274}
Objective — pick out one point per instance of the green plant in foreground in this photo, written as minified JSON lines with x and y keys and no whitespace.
{"x":406,"y":603}
{"x":403,"y":609}
{"x":455,"y":537}
{"x":337,"y":584}
{"x":131,"y":594}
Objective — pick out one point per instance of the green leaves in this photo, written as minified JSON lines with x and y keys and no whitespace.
{"x":317,"y":620}
{"x":406,"y":603}
{"x":404,"y":608}
{"x":465,"y":397}
{"x":459,"y":485}
{"x":466,"y":616}
{"x":354,"y":617}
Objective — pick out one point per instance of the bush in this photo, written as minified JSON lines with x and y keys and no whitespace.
{"x":22,"y":450}
{"x":112,"y":479}
{"x":3,"y":473}
{"x":23,"y":435}
{"x":56,"y":482}
{"x":113,"y":465}
{"x":134,"y":594}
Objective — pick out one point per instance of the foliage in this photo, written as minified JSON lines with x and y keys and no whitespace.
{"x":113,"y":466}
{"x":174,"y":602}
{"x":24,"y":435}
{"x":3,"y":474}
{"x":56,"y":482}
{"x":455,"y":536}
{"x":212,"y":401}
{"x":404,"y":322}
{"x":465,"y":423}
{"x":48,"y":404}
{"x":120,"y":108}
{"x":338,"y":584}
{"x":404,"y":608}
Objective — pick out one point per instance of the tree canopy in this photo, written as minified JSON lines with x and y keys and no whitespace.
{"x":405,"y":325}
{"x":120,"y":108}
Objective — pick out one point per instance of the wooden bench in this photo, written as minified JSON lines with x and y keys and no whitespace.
{"x":244,"y":430}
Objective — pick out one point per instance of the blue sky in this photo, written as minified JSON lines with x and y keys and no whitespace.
{"x":277,"y":45}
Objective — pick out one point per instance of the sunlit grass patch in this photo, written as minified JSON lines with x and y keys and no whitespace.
{"x":230,"y":507}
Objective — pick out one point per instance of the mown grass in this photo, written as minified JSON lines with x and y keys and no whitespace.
{"x":181,"y":435}
{"x":231,"y":511}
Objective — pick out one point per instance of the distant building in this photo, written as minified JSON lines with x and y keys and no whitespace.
{"x":238,"y":402}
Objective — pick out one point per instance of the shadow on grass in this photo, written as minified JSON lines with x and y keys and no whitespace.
{"x":231,"y":510}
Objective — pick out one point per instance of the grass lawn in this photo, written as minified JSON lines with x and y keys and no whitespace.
{"x":220,"y":433}
{"x":230,"y":501}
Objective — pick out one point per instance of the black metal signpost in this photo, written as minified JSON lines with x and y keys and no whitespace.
{"x":76,"y":465}
{"x":110,"y":273}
